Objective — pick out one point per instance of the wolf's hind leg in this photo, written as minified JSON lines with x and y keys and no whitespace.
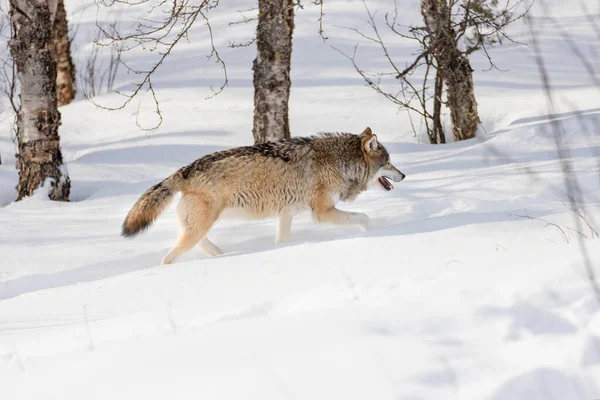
{"x":187,"y":240}
{"x":196,"y":216}
{"x":284,"y":228}
{"x":209,"y":248}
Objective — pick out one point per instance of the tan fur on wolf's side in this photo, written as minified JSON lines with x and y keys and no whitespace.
{"x":270,"y":179}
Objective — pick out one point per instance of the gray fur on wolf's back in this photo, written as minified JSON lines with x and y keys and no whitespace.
{"x":265,"y":178}
{"x":286,"y":150}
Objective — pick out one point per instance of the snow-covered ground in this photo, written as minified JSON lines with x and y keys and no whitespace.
{"x":453,"y":294}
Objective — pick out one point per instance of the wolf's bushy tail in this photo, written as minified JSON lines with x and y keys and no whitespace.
{"x":150,"y":205}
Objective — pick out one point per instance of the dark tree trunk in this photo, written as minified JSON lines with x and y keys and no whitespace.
{"x":272,"y":70}
{"x":457,"y":72}
{"x":39,"y":160}
{"x":438,"y":129}
{"x":461,"y":98}
{"x":65,"y":71}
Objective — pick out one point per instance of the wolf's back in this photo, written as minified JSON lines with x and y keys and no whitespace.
{"x":150,"y":205}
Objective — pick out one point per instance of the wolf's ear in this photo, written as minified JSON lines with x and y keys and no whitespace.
{"x":367,"y":132}
{"x":370,"y":144}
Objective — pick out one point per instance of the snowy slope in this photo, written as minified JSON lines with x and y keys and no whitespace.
{"x":453,"y":294}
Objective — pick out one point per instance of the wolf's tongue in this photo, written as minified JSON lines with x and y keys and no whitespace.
{"x":386,"y":183}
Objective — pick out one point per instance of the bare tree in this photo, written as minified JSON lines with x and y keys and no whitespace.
{"x":453,"y":66}
{"x":452,"y":31}
{"x":39,"y":159}
{"x":65,"y":71}
{"x":271,"y":68}
{"x":6,"y":64}
{"x":170,"y":25}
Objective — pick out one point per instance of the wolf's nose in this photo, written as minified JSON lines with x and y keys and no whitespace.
{"x":402,"y":176}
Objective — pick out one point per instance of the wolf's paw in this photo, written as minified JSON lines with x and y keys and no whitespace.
{"x":364,"y":222}
{"x":168,"y":259}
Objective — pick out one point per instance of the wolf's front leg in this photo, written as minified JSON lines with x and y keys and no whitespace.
{"x":339,"y":217}
{"x":284,"y":228}
{"x":323,"y":206}
{"x":209,"y":248}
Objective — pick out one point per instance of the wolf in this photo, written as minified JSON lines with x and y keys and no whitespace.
{"x":273,"y":179}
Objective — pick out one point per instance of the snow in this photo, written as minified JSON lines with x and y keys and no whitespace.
{"x":452,"y":294}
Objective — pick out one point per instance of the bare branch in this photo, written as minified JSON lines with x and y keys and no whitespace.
{"x":413,"y":65}
{"x":376,"y":86}
{"x":548,"y":223}
{"x":571,"y":183}
{"x":160,"y":37}
{"x":321,"y":14}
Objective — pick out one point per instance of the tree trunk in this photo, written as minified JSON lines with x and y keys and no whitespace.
{"x":65,"y":71}
{"x":438,"y":129}
{"x":39,"y":160}
{"x":457,"y":72}
{"x":272,"y":70}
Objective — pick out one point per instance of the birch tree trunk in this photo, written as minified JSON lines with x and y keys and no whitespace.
{"x":65,"y":71}
{"x":438,"y":129}
{"x":457,"y":71}
{"x":272,"y":70}
{"x":39,"y":160}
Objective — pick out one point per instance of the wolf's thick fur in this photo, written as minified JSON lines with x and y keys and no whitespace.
{"x":270,"y":179}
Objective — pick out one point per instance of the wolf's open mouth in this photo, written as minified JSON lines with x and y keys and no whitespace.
{"x":387,"y":185}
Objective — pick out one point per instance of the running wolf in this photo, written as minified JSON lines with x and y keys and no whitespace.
{"x":274,"y":179}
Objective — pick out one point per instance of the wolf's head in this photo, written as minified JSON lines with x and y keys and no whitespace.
{"x":382,"y":170}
